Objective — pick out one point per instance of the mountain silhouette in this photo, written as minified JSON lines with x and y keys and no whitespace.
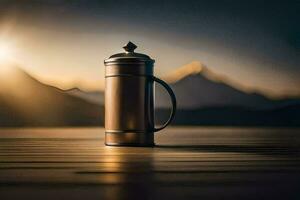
{"x":24,"y":101}
{"x":197,"y":87}
{"x":95,"y":97}
{"x":206,"y":98}
{"x":203,"y":97}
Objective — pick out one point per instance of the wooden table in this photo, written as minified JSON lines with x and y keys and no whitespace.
{"x":187,"y":163}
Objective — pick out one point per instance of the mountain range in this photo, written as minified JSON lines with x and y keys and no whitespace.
{"x":204,"y":98}
{"x":197,"y":87}
{"x":24,"y":101}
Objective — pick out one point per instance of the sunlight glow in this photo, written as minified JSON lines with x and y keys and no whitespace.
{"x":6,"y":57}
{"x":192,"y":68}
{"x":6,"y":51}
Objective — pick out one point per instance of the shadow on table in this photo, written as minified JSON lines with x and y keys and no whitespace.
{"x":272,"y":150}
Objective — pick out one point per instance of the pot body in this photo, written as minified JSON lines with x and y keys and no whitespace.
{"x":129,"y":104}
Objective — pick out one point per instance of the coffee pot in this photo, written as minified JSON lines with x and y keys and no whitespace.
{"x":129,"y":99}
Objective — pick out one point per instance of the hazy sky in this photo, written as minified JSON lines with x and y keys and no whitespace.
{"x":65,"y":42}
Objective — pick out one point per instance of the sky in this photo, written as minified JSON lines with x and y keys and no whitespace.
{"x":64,"y":43}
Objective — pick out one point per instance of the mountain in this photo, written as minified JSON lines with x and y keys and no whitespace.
{"x":24,"y":101}
{"x":94,"y":97}
{"x":195,"y":87}
{"x":203,"y":97}
{"x":206,"y":98}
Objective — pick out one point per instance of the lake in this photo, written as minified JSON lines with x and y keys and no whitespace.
{"x":187,"y":163}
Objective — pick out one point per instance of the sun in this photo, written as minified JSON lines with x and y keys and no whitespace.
{"x":6,"y":57}
{"x":5,"y":51}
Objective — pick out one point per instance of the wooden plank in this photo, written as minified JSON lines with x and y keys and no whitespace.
{"x":187,"y":163}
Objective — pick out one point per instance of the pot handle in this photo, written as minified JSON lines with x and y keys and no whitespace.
{"x":173,"y":100}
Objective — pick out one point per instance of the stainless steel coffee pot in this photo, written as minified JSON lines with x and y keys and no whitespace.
{"x":129,"y":99}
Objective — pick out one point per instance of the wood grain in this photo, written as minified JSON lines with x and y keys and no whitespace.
{"x":187,"y":163}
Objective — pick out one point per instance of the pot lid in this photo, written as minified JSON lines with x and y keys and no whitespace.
{"x":129,"y":56}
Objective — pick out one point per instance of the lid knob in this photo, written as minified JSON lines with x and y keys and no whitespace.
{"x":130,"y":47}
